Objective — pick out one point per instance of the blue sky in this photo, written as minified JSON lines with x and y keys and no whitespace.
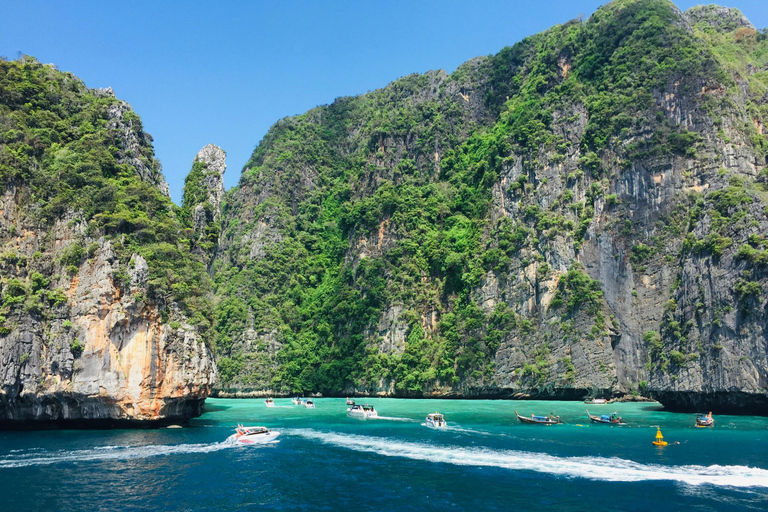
{"x":224,"y":72}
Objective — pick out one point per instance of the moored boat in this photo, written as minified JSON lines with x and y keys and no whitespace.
{"x":350,"y":402}
{"x":269,"y":402}
{"x":362,"y":411}
{"x":296,"y":400}
{"x":309,"y":404}
{"x":705,"y":420}
{"x":610,"y":419}
{"x":539,"y":420}
{"x":436,"y":420}
{"x":253,"y":435}
{"x":597,"y":401}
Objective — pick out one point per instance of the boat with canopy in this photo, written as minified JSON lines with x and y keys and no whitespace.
{"x":539,"y":420}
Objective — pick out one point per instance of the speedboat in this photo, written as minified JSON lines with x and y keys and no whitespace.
{"x":269,"y":402}
{"x":611,"y":419}
{"x":309,"y":404}
{"x":597,"y":401}
{"x":350,"y":402}
{"x":296,"y":400}
{"x":705,"y":421}
{"x":362,"y":411}
{"x":253,"y":435}
{"x":436,"y":420}
{"x":539,"y":420}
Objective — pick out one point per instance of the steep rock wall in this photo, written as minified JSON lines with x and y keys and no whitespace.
{"x":581,"y":213}
{"x":97,"y":327}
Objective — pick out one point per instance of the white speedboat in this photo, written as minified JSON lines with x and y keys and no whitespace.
{"x":436,"y":420}
{"x":269,"y":402}
{"x":362,"y":411}
{"x":309,"y":404}
{"x":597,"y":401}
{"x":350,"y":402}
{"x":253,"y":435}
{"x":296,"y":400}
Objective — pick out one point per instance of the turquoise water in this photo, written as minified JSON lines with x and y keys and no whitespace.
{"x":324,"y":460}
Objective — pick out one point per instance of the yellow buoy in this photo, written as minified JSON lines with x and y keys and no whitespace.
{"x":659,"y":438}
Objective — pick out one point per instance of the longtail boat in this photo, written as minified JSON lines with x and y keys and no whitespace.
{"x":539,"y":420}
{"x":610,"y":419}
{"x":597,"y":401}
{"x":704,"y":420}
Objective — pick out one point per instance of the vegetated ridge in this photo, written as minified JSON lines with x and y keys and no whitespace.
{"x":581,"y":213}
{"x":104,"y":305}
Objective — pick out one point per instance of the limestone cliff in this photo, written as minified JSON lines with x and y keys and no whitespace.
{"x":202,"y":198}
{"x":101,"y":314}
{"x":580,"y":213}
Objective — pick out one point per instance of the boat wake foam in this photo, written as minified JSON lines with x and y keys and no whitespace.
{"x":390,"y":418}
{"x":463,"y":430}
{"x":104,"y":453}
{"x":593,"y":468}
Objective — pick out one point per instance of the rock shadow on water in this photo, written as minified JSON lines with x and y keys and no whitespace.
{"x":215,"y":408}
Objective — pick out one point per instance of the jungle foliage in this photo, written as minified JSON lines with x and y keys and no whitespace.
{"x":379,"y":206}
{"x":62,"y":148}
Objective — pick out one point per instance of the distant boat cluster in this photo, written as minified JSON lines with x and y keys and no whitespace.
{"x":702,"y":420}
{"x":257,"y":435}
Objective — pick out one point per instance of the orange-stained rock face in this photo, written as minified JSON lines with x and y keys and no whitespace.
{"x":101,"y":355}
{"x":129,"y":354}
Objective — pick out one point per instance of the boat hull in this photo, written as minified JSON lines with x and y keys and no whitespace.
{"x":606,"y":422}
{"x":598,"y":419}
{"x":362,"y":415}
{"x":534,"y":421}
{"x":265,"y":438}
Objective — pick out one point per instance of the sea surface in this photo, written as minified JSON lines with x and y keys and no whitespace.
{"x":325,"y":460}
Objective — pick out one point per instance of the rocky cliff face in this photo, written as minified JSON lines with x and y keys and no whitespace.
{"x":202,"y":200}
{"x":581,"y":213}
{"x":95,"y":330}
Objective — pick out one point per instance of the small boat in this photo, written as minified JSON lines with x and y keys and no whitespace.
{"x":350,"y":402}
{"x":597,"y":401}
{"x":296,"y":400}
{"x":253,"y":435}
{"x":436,"y":420}
{"x":705,"y":420}
{"x":659,"y":438}
{"x":611,"y":419}
{"x":362,"y":411}
{"x":269,"y":402}
{"x":539,"y":420}
{"x":309,"y":404}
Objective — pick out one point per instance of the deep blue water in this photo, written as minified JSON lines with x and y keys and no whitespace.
{"x":324,"y":460}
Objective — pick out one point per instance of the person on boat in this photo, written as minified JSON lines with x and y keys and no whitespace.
{"x":709,"y":416}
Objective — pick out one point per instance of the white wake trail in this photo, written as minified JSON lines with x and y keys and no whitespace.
{"x":391,"y":418}
{"x":593,"y":468}
{"x":103,"y":453}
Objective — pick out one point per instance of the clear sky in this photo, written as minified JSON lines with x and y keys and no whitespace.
{"x":200,"y":72}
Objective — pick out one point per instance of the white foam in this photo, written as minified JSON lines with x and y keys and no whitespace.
{"x":390,"y":418}
{"x":593,"y":468}
{"x":103,"y":453}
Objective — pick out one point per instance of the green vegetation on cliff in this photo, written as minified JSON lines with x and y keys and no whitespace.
{"x":358,"y":248}
{"x":81,"y":156}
